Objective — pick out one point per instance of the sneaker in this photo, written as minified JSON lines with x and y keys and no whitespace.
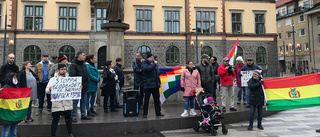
{"x":85,"y":118}
{"x":39,"y":113}
{"x":160,"y":114}
{"x":192,"y":112}
{"x":90,"y":114}
{"x":247,"y":106}
{"x":29,"y":119}
{"x":233,"y":109}
{"x":318,"y":130}
{"x":239,"y":103}
{"x":250,"y":127}
{"x":224,"y":109}
{"x":244,"y":103}
{"x":260,"y":127}
{"x":74,"y":120}
{"x":25,"y":120}
{"x":184,"y":114}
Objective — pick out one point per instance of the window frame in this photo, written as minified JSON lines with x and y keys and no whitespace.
{"x":300,"y":32}
{"x":264,"y":55}
{"x":213,"y":29}
{"x":176,"y":50}
{"x":172,"y":20}
{"x":264,"y":22}
{"x":238,"y":52}
{"x":305,"y":46}
{"x":144,"y":54}
{"x":33,"y":17}
{"x":318,"y":20}
{"x":206,"y":50}
{"x":304,"y":18}
{"x":36,"y":52}
{"x":68,"y":18}
{"x":236,"y":22}
{"x":288,"y":32}
{"x":279,"y":23}
{"x":102,"y":18}
{"x":290,"y":9}
{"x":144,"y":9}
{"x":68,"y":54}
{"x":279,"y":36}
{"x":286,"y":23}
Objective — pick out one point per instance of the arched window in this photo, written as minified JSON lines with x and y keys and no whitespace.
{"x":240,"y":52}
{"x":144,"y":49}
{"x":32,"y":53}
{"x":172,"y":56}
{"x":261,"y":55}
{"x":207,"y":50}
{"x":102,"y":57}
{"x":68,"y":51}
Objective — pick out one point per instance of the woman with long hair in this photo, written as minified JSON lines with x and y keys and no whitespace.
{"x":93,"y":85}
{"x":110,"y":80}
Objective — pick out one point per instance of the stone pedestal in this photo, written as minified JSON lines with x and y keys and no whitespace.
{"x":115,"y":40}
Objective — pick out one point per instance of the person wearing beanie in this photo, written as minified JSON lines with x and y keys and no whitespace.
{"x":207,"y":75}
{"x":61,"y":60}
{"x":241,"y":89}
{"x":119,"y":71}
{"x":256,"y":98}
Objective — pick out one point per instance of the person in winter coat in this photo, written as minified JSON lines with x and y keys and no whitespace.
{"x":215,"y":66}
{"x":93,"y":85}
{"x":207,"y":75}
{"x":10,"y":127}
{"x":137,"y":72}
{"x":27,"y":78}
{"x":61,"y":60}
{"x":61,"y":107}
{"x":256,"y":98}
{"x":226,"y":73}
{"x":119,"y":71}
{"x":110,"y":80}
{"x":10,"y":66}
{"x":190,"y":79}
{"x":241,"y":89}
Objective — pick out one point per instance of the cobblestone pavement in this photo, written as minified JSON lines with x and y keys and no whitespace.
{"x":290,"y":123}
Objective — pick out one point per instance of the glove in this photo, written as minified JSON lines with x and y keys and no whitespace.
{"x":182,"y":89}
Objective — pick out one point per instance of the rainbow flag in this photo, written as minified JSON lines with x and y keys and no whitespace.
{"x":292,"y":92}
{"x":233,"y":53}
{"x":170,"y":82}
{"x":14,"y":104}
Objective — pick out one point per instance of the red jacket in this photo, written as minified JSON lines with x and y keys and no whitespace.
{"x":225,"y":78}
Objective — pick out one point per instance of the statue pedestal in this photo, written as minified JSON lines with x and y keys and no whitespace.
{"x":115,"y":40}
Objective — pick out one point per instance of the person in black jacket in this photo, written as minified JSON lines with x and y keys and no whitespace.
{"x":151,"y":85}
{"x":110,"y":80}
{"x":78,"y":68}
{"x":215,"y":66}
{"x":137,"y":72}
{"x":256,"y":98}
{"x":117,"y":68}
{"x":207,"y":75}
{"x":10,"y":66}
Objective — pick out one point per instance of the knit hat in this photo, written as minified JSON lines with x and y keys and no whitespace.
{"x":205,"y":56}
{"x":257,"y":72}
{"x":249,"y":59}
{"x":239,"y":59}
{"x":78,"y":54}
{"x":149,"y":54}
{"x":209,"y":99}
{"x":226,"y":59}
{"x":61,"y":58}
{"x":118,"y":59}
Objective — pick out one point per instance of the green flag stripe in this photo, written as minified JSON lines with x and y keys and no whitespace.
{"x":172,"y":84}
{"x":10,"y":115}
{"x":284,"y":104}
{"x":167,"y":93}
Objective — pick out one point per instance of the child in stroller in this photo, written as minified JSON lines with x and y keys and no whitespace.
{"x":211,"y":115}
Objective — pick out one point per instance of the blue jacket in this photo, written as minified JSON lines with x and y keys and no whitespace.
{"x":94,"y":76}
{"x":151,"y":75}
{"x":137,"y":71}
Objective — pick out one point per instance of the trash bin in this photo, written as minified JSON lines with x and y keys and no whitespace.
{"x":131,"y":103}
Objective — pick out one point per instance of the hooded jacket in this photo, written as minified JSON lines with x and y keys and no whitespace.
{"x":5,"y":69}
{"x":190,"y":81}
{"x":256,"y":92}
{"x":94,"y":76}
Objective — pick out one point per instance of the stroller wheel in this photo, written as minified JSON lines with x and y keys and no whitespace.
{"x":224,"y":131}
{"x":213,"y":132}
{"x":195,"y":126}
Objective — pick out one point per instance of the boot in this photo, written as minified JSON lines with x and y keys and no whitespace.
{"x":185,"y":113}
{"x":93,"y":111}
{"x":192,"y":112}
{"x":90,"y":114}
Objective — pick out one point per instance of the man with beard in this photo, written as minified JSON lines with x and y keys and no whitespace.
{"x":215,"y":65}
{"x":10,"y":66}
{"x":206,"y":75}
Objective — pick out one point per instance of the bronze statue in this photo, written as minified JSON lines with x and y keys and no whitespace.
{"x":115,"y":11}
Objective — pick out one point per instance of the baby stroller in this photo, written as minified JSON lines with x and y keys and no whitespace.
{"x":211,"y":116}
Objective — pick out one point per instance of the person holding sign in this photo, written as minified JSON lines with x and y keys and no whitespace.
{"x":241,"y":89}
{"x":60,"y":107}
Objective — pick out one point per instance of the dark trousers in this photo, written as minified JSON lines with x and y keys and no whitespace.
{"x":156,"y":98}
{"x":252,"y":111}
{"x":112,"y":102}
{"x":56,"y":118}
{"x":41,"y":94}
{"x":208,"y":88}
{"x":141,"y":95}
{"x":214,"y":91}
{"x":29,"y":109}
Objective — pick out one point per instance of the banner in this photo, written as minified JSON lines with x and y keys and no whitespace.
{"x":246,"y":76}
{"x":65,"y":88}
{"x":233,"y":53}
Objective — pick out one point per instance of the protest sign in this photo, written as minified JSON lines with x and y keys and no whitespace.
{"x":65,"y":88}
{"x":246,"y":76}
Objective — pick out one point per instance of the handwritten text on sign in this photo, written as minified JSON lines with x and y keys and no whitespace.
{"x":246,"y":76}
{"x":65,"y":88}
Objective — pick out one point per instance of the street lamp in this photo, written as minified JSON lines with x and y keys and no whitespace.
{"x":294,"y":50}
{"x":196,"y":41}
{"x":5,"y":38}
{"x":201,"y":44}
{"x":294,"y":47}
{"x":11,"y":42}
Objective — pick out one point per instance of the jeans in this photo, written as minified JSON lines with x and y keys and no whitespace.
{"x":29,"y":109}
{"x":247,"y":94}
{"x":42,"y":94}
{"x":91,"y":98}
{"x":112,"y":103}
{"x":12,"y":129}
{"x":156,"y":99}
{"x":56,"y":118}
{"x":186,"y":104}
{"x":141,"y":95}
{"x":82,"y":105}
{"x":208,"y":88}
{"x":240,"y":91}
{"x":252,"y":110}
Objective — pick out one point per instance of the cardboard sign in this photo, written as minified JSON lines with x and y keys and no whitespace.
{"x":65,"y":88}
{"x":246,"y":76}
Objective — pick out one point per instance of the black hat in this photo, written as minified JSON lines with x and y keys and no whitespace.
{"x":249,"y":59}
{"x":149,"y":54}
{"x":61,"y":58}
{"x":78,"y":54}
{"x":45,"y":55}
{"x":205,"y":56}
{"x":118,"y":59}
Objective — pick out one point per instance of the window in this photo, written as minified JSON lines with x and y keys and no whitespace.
{"x":101,"y":15}
{"x":279,"y":35}
{"x":68,"y":51}
{"x":318,"y":20}
{"x":319,"y":37}
{"x":67,"y":19}
{"x":306,"y":46}
{"x":291,"y":49}
{"x":306,"y":4}
{"x":172,"y":56}
{"x":291,"y":9}
{"x":144,"y":50}
{"x":259,"y":22}
{"x":280,"y":49}
{"x":207,"y":50}
{"x":302,"y":32}
{"x":301,"y":18}
{"x":240,"y":52}
{"x":261,"y":55}
{"x":284,"y":12}
{"x":287,"y":47}
{"x":172,"y":21}
{"x":33,"y":19}
{"x":236,"y":23}
{"x":32,"y":53}
{"x":288,"y":34}
{"x":144,"y":20}
{"x":288,"y":21}
{"x":206,"y":22}
{"x":279,"y":24}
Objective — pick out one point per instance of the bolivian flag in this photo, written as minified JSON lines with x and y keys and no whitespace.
{"x":14,"y":104}
{"x":292,"y":92}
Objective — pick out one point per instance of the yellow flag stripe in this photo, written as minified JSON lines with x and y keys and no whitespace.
{"x":283,"y":93}
{"x":15,"y":104}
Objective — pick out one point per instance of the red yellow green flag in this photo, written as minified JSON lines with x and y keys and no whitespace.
{"x":14,"y":104}
{"x":292,"y":92}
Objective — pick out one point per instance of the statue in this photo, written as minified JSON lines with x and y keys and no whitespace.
{"x":115,"y":11}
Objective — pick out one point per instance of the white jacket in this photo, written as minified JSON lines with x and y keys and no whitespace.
{"x":62,"y":105}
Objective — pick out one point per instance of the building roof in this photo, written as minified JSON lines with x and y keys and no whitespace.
{"x":282,"y":2}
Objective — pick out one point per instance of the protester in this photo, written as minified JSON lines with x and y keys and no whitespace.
{"x":137,"y":72}
{"x":241,"y":89}
{"x":27,"y":78}
{"x":117,"y":68}
{"x":256,"y":98}
{"x":190,"y":79}
{"x":250,"y":66}
{"x":94,"y":76}
{"x":108,"y":87}
{"x":42,"y":70}
{"x":10,"y":66}
{"x":60,"y":107}
{"x":226,"y":73}
{"x":215,"y":65}
{"x":10,"y":127}
{"x":151,"y":84}
{"x":61,"y":60}
{"x":79,"y":69}
{"x":207,"y":75}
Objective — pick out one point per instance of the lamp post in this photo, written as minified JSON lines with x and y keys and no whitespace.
{"x":5,"y":38}
{"x":294,"y":50}
{"x":284,"y":56}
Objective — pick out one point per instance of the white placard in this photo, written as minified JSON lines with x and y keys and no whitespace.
{"x":246,"y":76}
{"x":65,"y":88}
